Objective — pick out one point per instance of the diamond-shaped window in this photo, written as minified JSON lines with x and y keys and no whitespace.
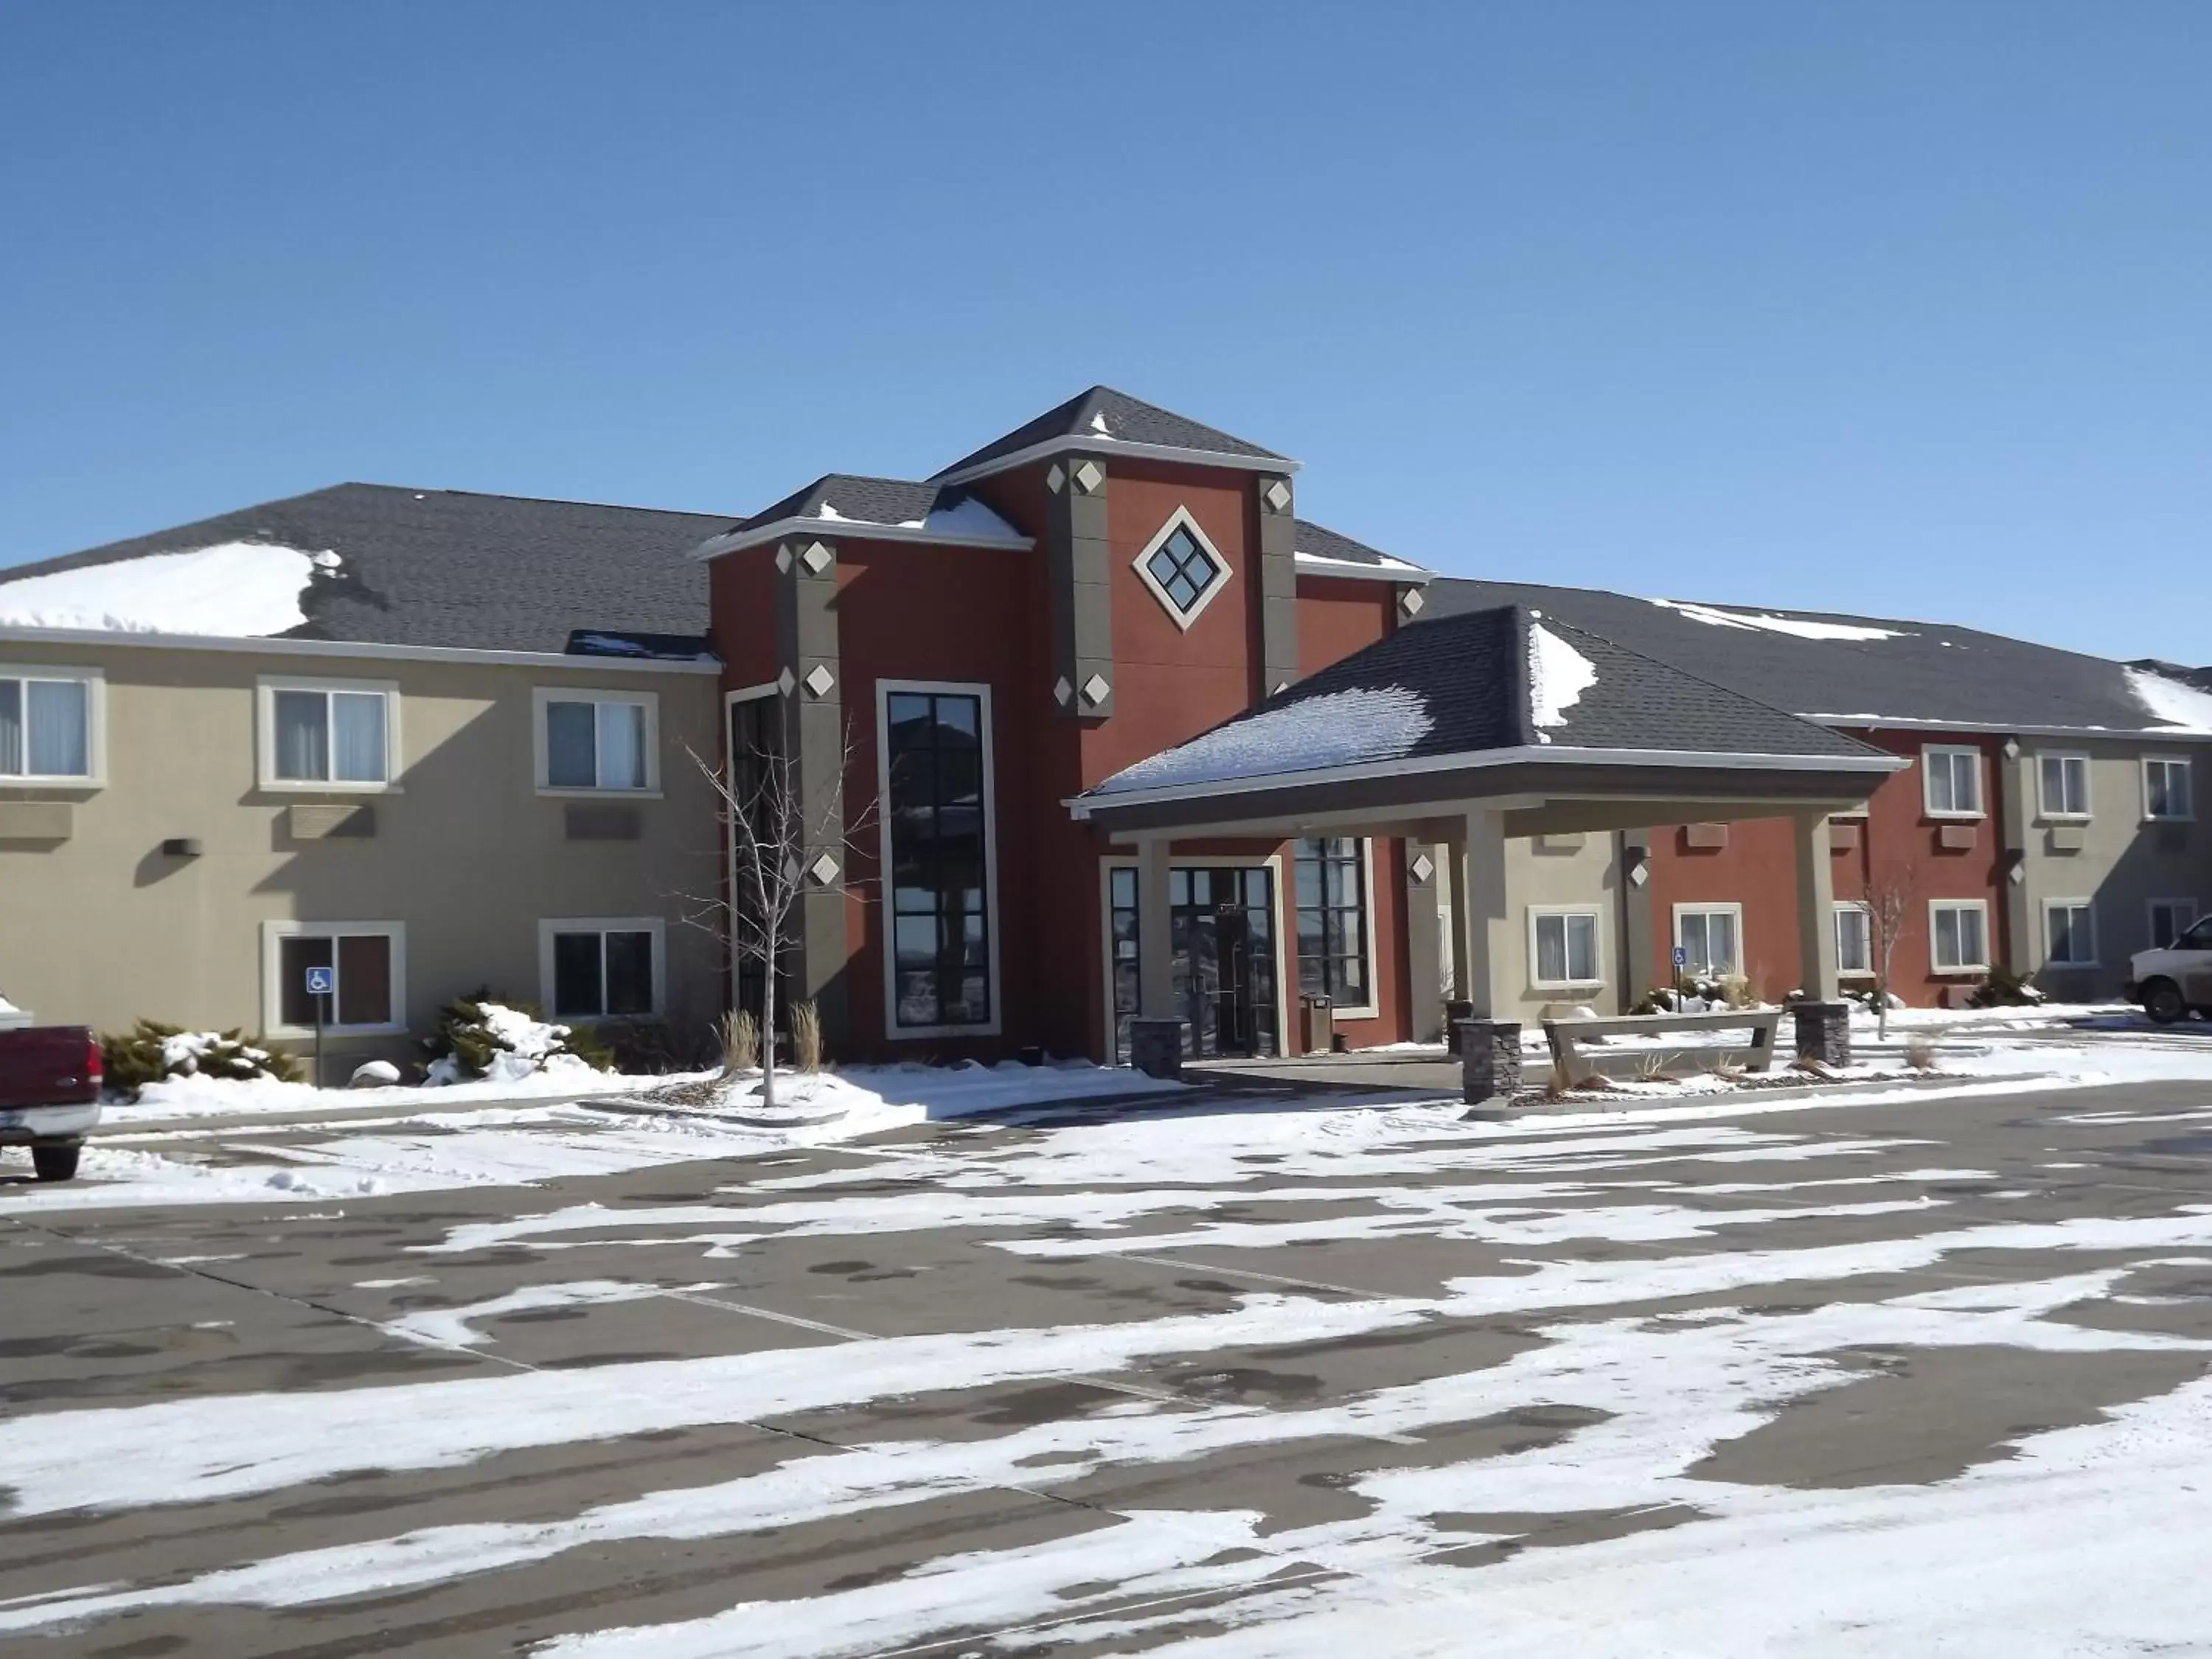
{"x":1182,"y":569}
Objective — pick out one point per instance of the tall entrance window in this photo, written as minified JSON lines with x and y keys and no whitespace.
{"x":937,"y":832}
{"x":1332,"y":889}
{"x":1224,"y":921}
{"x":756,"y":739}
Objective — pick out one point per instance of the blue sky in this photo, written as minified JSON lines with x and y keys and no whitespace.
{"x":1881,"y":306}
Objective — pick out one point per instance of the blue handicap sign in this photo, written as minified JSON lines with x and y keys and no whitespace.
{"x":1682,"y":958}
{"x":321,"y":981}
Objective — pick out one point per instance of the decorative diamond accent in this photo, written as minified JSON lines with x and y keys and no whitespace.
{"x":1411,"y":602}
{"x":1423,"y":869}
{"x":1055,"y":477}
{"x":824,"y":870}
{"x":2017,"y":874}
{"x":791,"y":868}
{"x":785,"y":681}
{"x":783,"y":559}
{"x":1062,"y":690}
{"x":819,"y":679}
{"x":1639,"y":875}
{"x":816,"y":558}
{"x":1095,"y":690}
{"x":1089,"y":475}
{"x":1278,"y":494}
{"x":1281,"y":686}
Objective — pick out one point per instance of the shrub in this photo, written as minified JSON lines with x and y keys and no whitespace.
{"x":2004,"y":989}
{"x":1920,"y":1052}
{"x":151,"y":1051}
{"x":740,"y":1034}
{"x":478,"y":1036}
{"x":806,"y":1036}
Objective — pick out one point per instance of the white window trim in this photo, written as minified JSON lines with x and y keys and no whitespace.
{"x":272,"y":992}
{"x":1372,"y":1008}
{"x":1596,"y":913}
{"x":1937,"y":905}
{"x":264,"y":697}
{"x":1181,"y":519}
{"x":1287,"y":954}
{"x":2096,"y":949}
{"x":2150,"y":919}
{"x":2044,"y":809}
{"x":1928,"y":753}
{"x":548,"y":927}
{"x":2183,"y":762}
{"x":543,"y":696}
{"x":96,"y":734}
{"x":886,"y":902}
{"x":1729,"y":907}
{"x":1866,"y":910}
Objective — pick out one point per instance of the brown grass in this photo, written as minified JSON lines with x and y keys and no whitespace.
{"x":806,"y":1036}
{"x":740,"y":1035}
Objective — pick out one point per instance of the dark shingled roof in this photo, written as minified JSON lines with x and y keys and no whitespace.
{"x":1470,"y":676}
{"x":1319,"y":542}
{"x":1127,"y":420}
{"x":866,"y":500}
{"x":446,"y":567}
{"x":1923,"y":671}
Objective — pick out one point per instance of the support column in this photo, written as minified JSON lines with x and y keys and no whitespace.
{"x":814,"y":734}
{"x":1639,"y":949}
{"x":1424,"y":950}
{"x":1456,"y":1006}
{"x":1823,"y":1019}
{"x":1489,"y":1045}
{"x":1156,"y":1034}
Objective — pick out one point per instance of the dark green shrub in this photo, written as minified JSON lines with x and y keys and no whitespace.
{"x":2004,"y":989}
{"x":479,"y":1036}
{"x":151,"y":1051}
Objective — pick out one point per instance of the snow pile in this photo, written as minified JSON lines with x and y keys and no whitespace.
{"x":1802,"y":627}
{"x":1338,"y":728}
{"x":2174,"y":706}
{"x":814,"y":1106}
{"x":524,"y":1049}
{"x":1558,"y":676}
{"x":234,"y":590}
{"x":194,"y":1054}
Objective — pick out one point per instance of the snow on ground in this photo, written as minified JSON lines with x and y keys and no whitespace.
{"x":1336,"y":728}
{"x":1558,"y":676}
{"x":233,"y":590}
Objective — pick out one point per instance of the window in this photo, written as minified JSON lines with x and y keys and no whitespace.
{"x":2070,"y":933}
{"x":1953,"y":781}
{"x":2198,"y":938}
{"x":327,"y":734}
{"x":1712,"y":935}
{"x":1958,"y":935}
{"x":1332,"y":905}
{"x":2065,"y":786}
{"x":601,"y":970}
{"x":367,"y":959}
{"x":2165,"y":789}
{"x":937,"y":849}
{"x":47,"y":723}
{"x":2169,"y":920}
{"x":598,"y":740}
{"x":1854,"y":940}
{"x":1181,"y":568}
{"x":1562,"y":946}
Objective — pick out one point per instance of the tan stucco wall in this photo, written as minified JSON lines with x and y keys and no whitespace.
{"x":1554,"y":871}
{"x":102,"y":927}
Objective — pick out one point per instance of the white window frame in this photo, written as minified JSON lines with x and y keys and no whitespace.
{"x":1370,"y":1009}
{"x":1286,"y":952}
{"x":550,"y":925}
{"x":1937,"y":905}
{"x":886,"y":905}
{"x":272,"y":991}
{"x":2150,"y":919}
{"x":1181,"y":519}
{"x":2059,"y":814}
{"x":2088,"y":905}
{"x":1597,"y":914}
{"x":264,"y":697}
{"x":1717,"y":907}
{"x":543,"y":697}
{"x":1857,"y":907}
{"x":94,"y":680}
{"x":1950,"y":751}
{"x":2183,"y":762}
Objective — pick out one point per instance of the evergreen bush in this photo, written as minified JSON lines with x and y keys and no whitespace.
{"x":150,"y":1051}
{"x":476,"y":1031}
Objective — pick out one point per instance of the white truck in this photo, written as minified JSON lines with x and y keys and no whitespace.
{"x":2175,"y":980}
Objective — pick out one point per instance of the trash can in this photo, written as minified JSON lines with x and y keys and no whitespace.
{"x":1316,"y":1025}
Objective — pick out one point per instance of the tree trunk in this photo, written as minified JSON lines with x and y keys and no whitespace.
{"x":767,"y":1033}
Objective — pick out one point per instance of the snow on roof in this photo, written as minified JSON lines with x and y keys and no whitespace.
{"x":969,"y":518}
{"x":1800,"y":627}
{"x":1339,"y":728}
{"x":1380,"y":562}
{"x":2177,"y":707}
{"x":826,"y":511}
{"x":1558,"y":676}
{"x":233,"y":590}
{"x":1098,"y":424}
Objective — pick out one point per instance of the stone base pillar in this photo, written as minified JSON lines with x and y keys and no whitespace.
{"x":1454,"y":1013}
{"x":1156,"y":1046}
{"x":1824,"y":1031}
{"x":1489,"y":1059}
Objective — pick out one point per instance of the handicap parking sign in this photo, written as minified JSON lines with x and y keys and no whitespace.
{"x":321,"y":981}
{"x":1681,"y":960}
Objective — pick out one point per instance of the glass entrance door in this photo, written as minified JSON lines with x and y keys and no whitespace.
{"x":1224,"y":921}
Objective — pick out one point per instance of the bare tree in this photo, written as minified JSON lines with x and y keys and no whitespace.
{"x":1889,"y":900}
{"x":776,"y":837}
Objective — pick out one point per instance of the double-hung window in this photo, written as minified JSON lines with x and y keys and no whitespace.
{"x":598,"y":740}
{"x":1958,"y":935}
{"x":1953,"y":781}
{"x":2064,"y":781}
{"x":939,"y":855}
{"x":1564,"y":948}
{"x":47,"y":722}
{"x":2070,"y":933}
{"x":328,"y":734}
{"x":367,"y":959}
{"x":1853,"y":939}
{"x":1332,"y":904}
{"x":1711,"y":937}
{"x":2169,"y":920}
{"x":2166,"y":788}
{"x":600,"y":970}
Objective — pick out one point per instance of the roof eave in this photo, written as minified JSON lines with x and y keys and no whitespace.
{"x":365,"y":650}
{"x":1314,"y":564}
{"x":1095,"y":443}
{"x":846,"y":529}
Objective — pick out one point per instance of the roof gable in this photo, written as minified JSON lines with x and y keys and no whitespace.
{"x":1106,"y":417}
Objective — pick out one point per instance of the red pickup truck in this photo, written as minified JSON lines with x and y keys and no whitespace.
{"x":49,"y":1090}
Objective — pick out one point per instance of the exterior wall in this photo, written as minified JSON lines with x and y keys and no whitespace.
{"x":101,"y":927}
{"x":1567,"y":873}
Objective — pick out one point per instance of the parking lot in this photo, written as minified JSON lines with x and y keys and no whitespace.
{"x":1241,"y":1375}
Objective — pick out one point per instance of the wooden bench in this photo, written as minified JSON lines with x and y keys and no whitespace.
{"x":1564,"y":1034}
